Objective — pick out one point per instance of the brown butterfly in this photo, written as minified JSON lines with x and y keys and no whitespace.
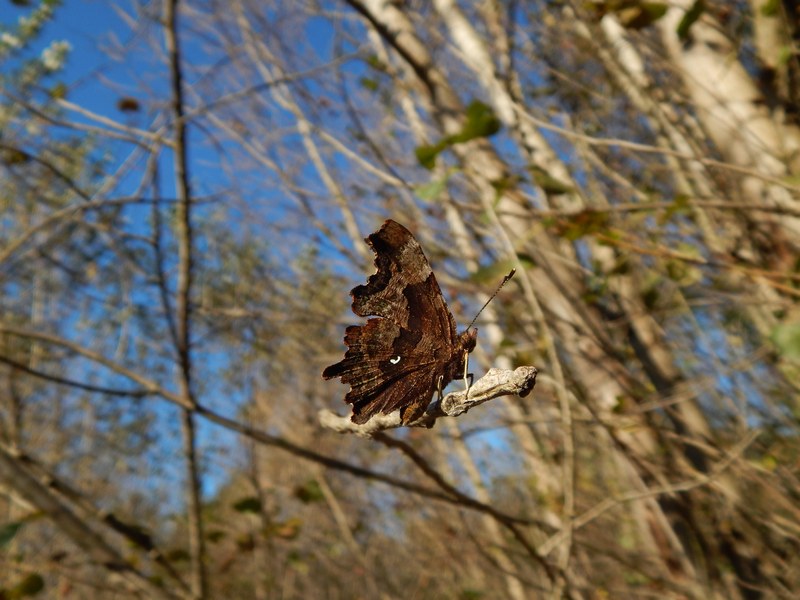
{"x":411,"y":349}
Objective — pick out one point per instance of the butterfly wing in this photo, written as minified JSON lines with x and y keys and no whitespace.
{"x":381,"y":374}
{"x":395,"y":361}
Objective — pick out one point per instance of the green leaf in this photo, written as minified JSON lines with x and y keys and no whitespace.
{"x":369,"y":84}
{"x":216,"y":535}
{"x":770,"y":8}
{"x":251,"y":504}
{"x":769,"y":462}
{"x":177,"y":555}
{"x":288,"y":529}
{"x":785,"y":54}
{"x":432,"y":190}
{"x":508,"y":182}
{"x":426,"y":155}
{"x":786,"y":338}
{"x":376,"y":63}
{"x":581,"y":224}
{"x":481,"y":122}
{"x":679,"y":206}
{"x":8,"y":531}
{"x":548,"y":183}
{"x":30,"y":585}
{"x":58,"y":91}
{"x":309,"y":492}
{"x":682,"y":272}
{"x":298,"y":563}
{"x":689,"y":250}
{"x":694,"y":13}
{"x":641,"y":15}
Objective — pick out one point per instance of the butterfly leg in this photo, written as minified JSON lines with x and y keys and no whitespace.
{"x":439,"y":388}
{"x":467,"y":375}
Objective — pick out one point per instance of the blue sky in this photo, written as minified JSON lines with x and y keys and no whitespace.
{"x":81,"y":23}
{"x":96,"y":81}
{"x":89,"y":26}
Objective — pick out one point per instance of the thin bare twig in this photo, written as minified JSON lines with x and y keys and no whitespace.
{"x":55,"y":217}
{"x":75,"y":384}
{"x":101,"y":552}
{"x":86,"y":509}
{"x":262,"y":437}
{"x":465,"y":500}
{"x":649,"y":149}
{"x":683,"y":486}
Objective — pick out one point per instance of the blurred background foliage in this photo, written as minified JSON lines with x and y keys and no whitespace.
{"x":185,"y":188}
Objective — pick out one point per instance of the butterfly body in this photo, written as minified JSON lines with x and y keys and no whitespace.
{"x":410,"y":348}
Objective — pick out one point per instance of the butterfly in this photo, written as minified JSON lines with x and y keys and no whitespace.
{"x":410,"y":348}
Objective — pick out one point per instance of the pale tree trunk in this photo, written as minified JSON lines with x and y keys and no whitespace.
{"x":624,"y":62}
{"x":517,"y":119}
{"x":270,"y":70}
{"x":482,"y":167}
{"x":572,"y":324}
{"x":656,"y":455}
{"x":733,"y":112}
{"x":772,"y":39}
{"x":457,"y":447}
{"x":490,"y":332}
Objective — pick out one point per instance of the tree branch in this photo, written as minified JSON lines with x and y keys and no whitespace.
{"x":496,"y":383}
{"x":262,"y":437}
{"x":141,"y":393}
{"x":13,"y":472}
{"x":184,"y":235}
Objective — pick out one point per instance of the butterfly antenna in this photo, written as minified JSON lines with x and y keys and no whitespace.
{"x":499,"y":287}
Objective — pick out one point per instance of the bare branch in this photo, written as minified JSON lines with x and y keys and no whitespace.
{"x":605,"y":505}
{"x":184,"y":234}
{"x":141,"y":393}
{"x":285,"y":445}
{"x":496,"y":383}
{"x":13,"y":472}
